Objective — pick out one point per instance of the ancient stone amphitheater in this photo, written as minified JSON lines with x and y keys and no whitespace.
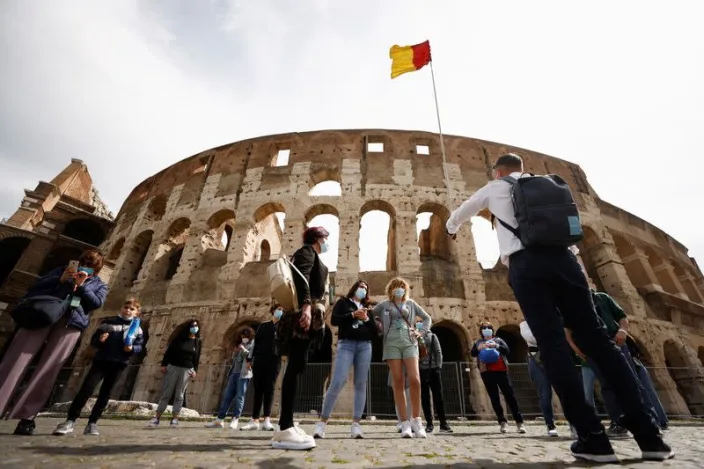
{"x":195,"y":240}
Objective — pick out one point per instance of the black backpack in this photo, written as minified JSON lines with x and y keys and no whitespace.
{"x":545,"y":210}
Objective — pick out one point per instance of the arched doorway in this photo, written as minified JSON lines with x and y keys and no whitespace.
{"x":523,"y":387}
{"x":686,"y":376}
{"x":455,"y":378}
{"x":11,"y":250}
{"x":85,"y":230}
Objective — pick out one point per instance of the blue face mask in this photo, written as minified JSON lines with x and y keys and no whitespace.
{"x":194,"y":329}
{"x":487,"y":333}
{"x":324,"y":246}
{"x":361,"y":293}
{"x":87,"y":270}
{"x":419,"y":326}
{"x":277,"y":314}
{"x":399,"y":292}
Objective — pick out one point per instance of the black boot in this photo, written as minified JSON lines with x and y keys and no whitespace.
{"x":654,"y":449}
{"x":25,"y":427}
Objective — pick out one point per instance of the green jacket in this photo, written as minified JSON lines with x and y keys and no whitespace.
{"x":609,"y":311}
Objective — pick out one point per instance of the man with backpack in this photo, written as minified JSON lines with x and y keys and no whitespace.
{"x":537,"y":222}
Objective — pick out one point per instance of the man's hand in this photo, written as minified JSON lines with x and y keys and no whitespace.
{"x":79,"y":278}
{"x":620,"y":337}
{"x":67,"y":275}
{"x":103,"y":337}
{"x":128,"y":348}
{"x":481,"y":346}
{"x":492,"y":345}
{"x":193,"y":376}
{"x":361,"y":314}
{"x":305,"y":317}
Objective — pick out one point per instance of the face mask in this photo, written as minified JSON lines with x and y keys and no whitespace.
{"x":419,"y":326}
{"x":487,"y":333}
{"x":245,"y":340}
{"x":194,"y":329}
{"x":399,"y":292}
{"x":87,"y":270}
{"x":361,"y":293}
{"x":324,"y":246}
{"x":278,"y":313}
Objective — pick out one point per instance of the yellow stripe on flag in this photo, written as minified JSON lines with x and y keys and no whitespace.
{"x":402,"y":60}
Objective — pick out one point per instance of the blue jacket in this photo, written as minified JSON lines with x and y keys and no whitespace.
{"x":92,"y":294}
{"x":113,"y":349}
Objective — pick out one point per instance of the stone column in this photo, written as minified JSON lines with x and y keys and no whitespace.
{"x":407,"y":254}
{"x":190,"y":259}
{"x":230,"y":272}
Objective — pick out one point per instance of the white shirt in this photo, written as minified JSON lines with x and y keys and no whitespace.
{"x":528,"y":335}
{"x":495,"y":196}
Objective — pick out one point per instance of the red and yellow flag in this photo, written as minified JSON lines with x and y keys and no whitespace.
{"x":409,"y":58}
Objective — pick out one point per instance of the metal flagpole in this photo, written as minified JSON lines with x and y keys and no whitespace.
{"x":442,"y":143}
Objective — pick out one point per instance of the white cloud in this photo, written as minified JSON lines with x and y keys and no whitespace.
{"x":132,"y":87}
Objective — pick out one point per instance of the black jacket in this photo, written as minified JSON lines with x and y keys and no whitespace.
{"x":264,"y":351}
{"x":113,"y":349}
{"x":314,"y":270}
{"x":342,"y":318}
{"x":183,"y":352}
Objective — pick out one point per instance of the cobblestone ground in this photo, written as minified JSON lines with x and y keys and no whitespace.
{"x":128,"y":444}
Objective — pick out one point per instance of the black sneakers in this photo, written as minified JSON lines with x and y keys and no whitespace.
{"x":445,"y":428}
{"x":429,"y":428}
{"x":595,"y":447}
{"x":654,"y":449}
{"x":617,"y":431}
{"x":25,"y":427}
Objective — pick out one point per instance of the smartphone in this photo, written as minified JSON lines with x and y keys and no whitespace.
{"x":73,"y":265}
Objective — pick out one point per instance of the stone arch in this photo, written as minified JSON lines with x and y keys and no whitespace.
{"x":59,"y":257}
{"x":264,"y":251}
{"x":116,"y":249}
{"x":157,"y":207}
{"x":325,"y":173}
{"x":660,"y":267}
{"x":486,"y":244}
{"x":85,"y":230}
{"x":453,"y":340}
{"x":168,"y":256}
{"x":682,"y":274}
{"x":629,"y":254}
{"x":327,"y":216}
{"x":681,"y":363}
{"x":438,"y":261}
{"x":268,"y":225}
{"x":220,"y":227}
{"x":11,"y":250}
{"x":134,"y":260}
{"x":328,"y":188}
{"x":511,"y":334}
{"x":377,"y":214}
{"x":181,"y":327}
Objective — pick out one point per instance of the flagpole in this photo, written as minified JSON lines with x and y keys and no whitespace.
{"x":442,"y":143}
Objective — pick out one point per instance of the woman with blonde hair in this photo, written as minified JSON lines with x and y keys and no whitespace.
{"x":398,"y":315}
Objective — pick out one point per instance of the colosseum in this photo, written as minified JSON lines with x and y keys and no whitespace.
{"x":195,"y":241}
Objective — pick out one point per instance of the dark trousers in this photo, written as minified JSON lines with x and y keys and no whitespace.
{"x":499,"y":380}
{"x":109,"y":373}
{"x":553,"y":293}
{"x":431,"y":381}
{"x":297,"y":361}
{"x":264,"y":381}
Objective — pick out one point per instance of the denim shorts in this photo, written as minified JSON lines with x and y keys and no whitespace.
{"x":398,"y":345}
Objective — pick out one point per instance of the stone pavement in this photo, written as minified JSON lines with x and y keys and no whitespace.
{"x":129,"y":444}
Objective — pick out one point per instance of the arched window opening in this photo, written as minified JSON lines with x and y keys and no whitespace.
{"x":219,"y":232}
{"x":433,"y":241}
{"x":269,"y":227}
{"x":227,"y":236}
{"x":174,"y":262}
{"x":486,"y":244}
{"x":134,"y":260}
{"x":11,"y":250}
{"x":438,"y":264}
{"x":87,"y":231}
{"x":168,"y":256}
{"x":116,"y":250}
{"x":375,"y":242}
{"x":264,"y":251}
{"x":326,"y":188}
{"x":157,"y":207}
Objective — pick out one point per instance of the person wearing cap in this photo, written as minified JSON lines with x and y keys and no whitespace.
{"x":311,"y":279}
{"x":551,"y":288}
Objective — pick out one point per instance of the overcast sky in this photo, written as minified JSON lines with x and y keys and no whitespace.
{"x":133,"y":86}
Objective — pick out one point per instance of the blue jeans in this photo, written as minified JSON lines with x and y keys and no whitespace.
{"x":647,"y":382}
{"x":542,"y":384}
{"x":236,"y":391}
{"x":589,"y":376}
{"x":349,"y":353}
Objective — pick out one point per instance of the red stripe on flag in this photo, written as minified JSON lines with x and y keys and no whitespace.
{"x":421,"y":54}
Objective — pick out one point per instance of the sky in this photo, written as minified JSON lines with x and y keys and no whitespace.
{"x":131,"y":87}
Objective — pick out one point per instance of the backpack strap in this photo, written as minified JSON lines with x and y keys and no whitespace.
{"x":298,"y":271}
{"x":511,"y":180}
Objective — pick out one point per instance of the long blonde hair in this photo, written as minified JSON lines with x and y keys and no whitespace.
{"x":395,"y":283}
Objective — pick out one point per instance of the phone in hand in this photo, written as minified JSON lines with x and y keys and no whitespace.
{"x":73,"y":265}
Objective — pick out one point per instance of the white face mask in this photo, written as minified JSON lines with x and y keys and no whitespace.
{"x":245,"y":341}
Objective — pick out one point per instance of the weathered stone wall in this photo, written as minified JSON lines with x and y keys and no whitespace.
{"x":236,"y":189}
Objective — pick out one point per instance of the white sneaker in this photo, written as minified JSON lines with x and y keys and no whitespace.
{"x":319,"y":431}
{"x":267,"y":426}
{"x":234,"y":423}
{"x":406,"y":431}
{"x":252,"y":425}
{"x":504,"y":427}
{"x":552,"y":432}
{"x":174,"y":423}
{"x":217,"y":423}
{"x":292,"y":438}
{"x":153,"y":423}
{"x":521,"y":428}
{"x":417,"y":427}
{"x":356,"y":431}
{"x":64,"y":428}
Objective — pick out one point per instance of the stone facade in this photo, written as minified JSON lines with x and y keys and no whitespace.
{"x":194,"y":241}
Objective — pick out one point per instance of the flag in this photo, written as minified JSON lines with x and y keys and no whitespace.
{"x":409,"y":58}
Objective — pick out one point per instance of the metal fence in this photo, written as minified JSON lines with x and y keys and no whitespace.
{"x":143,"y":382}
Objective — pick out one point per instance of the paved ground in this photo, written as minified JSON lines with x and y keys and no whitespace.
{"x":128,"y":444}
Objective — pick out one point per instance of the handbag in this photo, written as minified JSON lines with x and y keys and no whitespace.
{"x":39,"y":311}
{"x":422,"y":349}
